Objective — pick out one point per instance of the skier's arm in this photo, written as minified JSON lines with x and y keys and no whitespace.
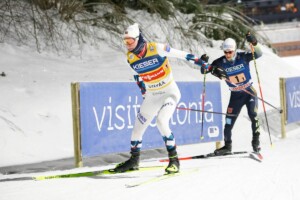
{"x":216,"y":69}
{"x":140,"y":83}
{"x":255,"y":46}
{"x":257,"y":51}
{"x":165,"y":50}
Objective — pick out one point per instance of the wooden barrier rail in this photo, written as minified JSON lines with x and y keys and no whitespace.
{"x":287,"y":48}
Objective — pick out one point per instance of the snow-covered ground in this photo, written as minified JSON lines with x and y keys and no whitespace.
{"x":36,"y":125}
{"x":276,"y":178}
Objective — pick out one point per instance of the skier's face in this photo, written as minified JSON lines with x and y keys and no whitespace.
{"x":229,"y":55}
{"x":130,"y":43}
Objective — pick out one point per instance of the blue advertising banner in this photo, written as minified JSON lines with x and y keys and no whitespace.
{"x":292,"y":88}
{"x":108,"y":110}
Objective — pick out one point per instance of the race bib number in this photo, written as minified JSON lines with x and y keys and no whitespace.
{"x":238,"y":78}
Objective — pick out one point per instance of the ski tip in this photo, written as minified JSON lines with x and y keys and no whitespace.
{"x":256,"y":156}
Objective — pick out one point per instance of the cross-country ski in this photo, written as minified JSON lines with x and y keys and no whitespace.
{"x":162,"y":177}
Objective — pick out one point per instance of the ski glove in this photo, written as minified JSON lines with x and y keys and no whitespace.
{"x":219,"y":72}
{"x":204,"y":57}
{"x":251,"y":39}
{"x":202,"y":63}
{"x":141,"y":85}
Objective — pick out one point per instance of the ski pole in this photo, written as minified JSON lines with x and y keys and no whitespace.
{"x":261,"y":94}
{"x":205,"y":111}
{"x":202,"y":105}
{"x":203,"y":95}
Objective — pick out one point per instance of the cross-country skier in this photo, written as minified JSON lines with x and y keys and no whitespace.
{"x":153,"y":74}
{"x":236,"y":66}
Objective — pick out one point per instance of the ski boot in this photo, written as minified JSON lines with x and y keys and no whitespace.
{"x":256,"y":144}
{"x":129,"y":165}
{"x":225,"y":150}
{"x":174,"y":165}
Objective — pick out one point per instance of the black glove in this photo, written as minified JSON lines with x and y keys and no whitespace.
{"x":251,"y":39}
{"x":204,"y":57}
{"x":219,"y":72}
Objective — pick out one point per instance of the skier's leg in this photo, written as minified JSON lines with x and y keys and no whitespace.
{"x":252,"y":106}
{"x":163,"y":121}
{"x":147,"y":112}
{"x":234,"y":107}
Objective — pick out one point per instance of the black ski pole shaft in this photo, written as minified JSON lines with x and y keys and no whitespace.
{"x":202,"y":105}
{"x":205,"y":111}
{"x":261,"y":94}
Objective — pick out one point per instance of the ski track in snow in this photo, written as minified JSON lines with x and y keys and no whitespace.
{"x":235,"y":177}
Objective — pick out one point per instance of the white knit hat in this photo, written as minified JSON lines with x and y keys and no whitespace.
{"x":132,"y":31}
{"x":229,"y":45}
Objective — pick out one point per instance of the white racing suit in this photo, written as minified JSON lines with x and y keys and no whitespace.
{"x":162,"y":93}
